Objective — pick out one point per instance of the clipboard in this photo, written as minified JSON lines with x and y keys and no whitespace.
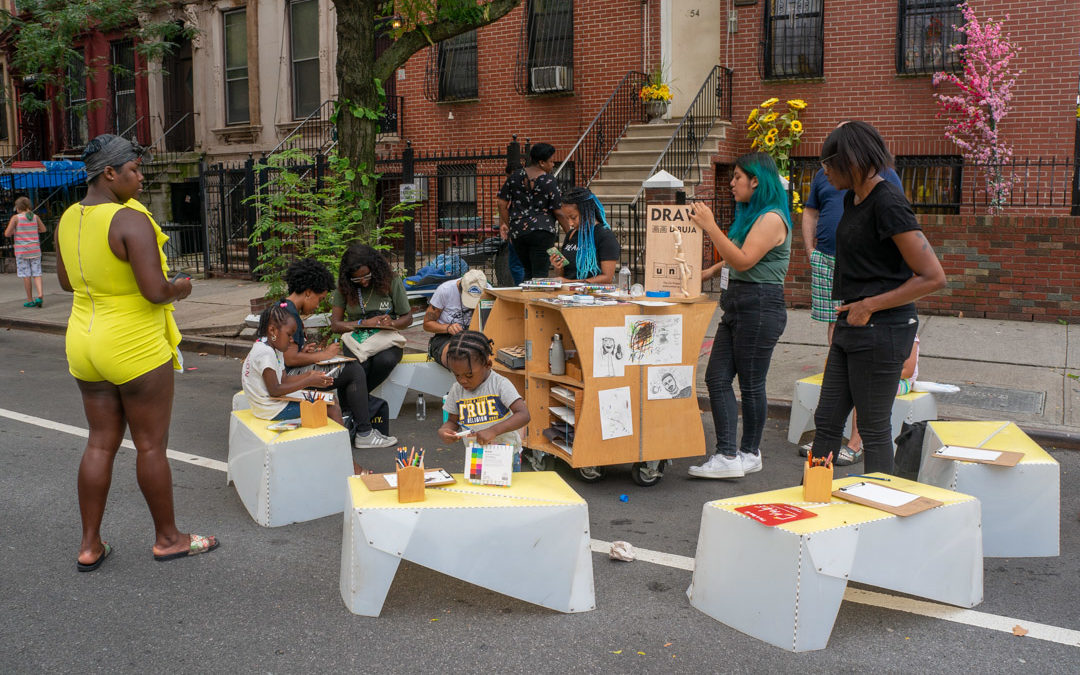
{"x":377,"y":481}
{"x":877,"y":496}
{"x":960,"y":453}
{"x":335,"y":361}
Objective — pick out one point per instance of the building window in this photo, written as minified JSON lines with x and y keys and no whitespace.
{"x":457,"y":67}
{"x":237,"y":110}
{"x":5,"y":100}
{"x":304,"y":45}
{"x":925,"y":34}
{"x":457,"y":198}
{"x":794,"y":39}
{"x":932,"y":184}
{"x":77,"y":130}
{"x":549,"y":29}
{"x":122,"y":86}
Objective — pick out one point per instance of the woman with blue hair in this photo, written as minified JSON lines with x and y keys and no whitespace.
{"x":590,"y":249}
{"x":755,"y":252}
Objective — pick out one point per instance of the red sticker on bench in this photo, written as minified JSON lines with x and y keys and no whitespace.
{"x":775,"y":514}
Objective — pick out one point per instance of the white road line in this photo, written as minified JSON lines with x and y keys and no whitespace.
{"x":84,"y":433}
{"x":1039,"y":631}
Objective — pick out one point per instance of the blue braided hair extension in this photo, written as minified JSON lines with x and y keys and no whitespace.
{"x":592,"y":212}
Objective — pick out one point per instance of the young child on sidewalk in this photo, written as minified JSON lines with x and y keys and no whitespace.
{"x":481,"y":401}
{"x":263,"y":375}
{"x":25,"y":227}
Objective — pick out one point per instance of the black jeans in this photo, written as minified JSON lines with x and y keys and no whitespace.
{"x":531,"y":248}
{"x":863,"y":371}
{"x":357,"y":379}
{"x":754,"y":318}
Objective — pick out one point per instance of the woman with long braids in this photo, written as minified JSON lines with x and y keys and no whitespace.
{"x":591,"y":250}
{"x":756,"y":250}
{"x":368,"y":295}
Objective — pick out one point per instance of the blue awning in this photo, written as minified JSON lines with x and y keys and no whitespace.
{"x":52,"y":174}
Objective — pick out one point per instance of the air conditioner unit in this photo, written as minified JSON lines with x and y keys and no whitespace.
{"x":550,"y":78}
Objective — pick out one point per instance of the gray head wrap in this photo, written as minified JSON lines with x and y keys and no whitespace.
{"x":109,"y":150}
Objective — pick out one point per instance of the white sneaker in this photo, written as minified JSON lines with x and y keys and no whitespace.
{"x":750,"y":463}
{"x":373,"y":439}
{"x":719,"y":466}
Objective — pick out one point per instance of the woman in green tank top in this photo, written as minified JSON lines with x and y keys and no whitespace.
{"x":756,"y":253}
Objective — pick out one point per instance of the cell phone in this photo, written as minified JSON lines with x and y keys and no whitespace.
{"x":178,"y":276}
{"x":554,"y":251}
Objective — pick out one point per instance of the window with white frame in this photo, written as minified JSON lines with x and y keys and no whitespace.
{"x":304,"y":51}
{"x":237,"y":108}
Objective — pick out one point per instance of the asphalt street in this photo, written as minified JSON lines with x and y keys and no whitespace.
{"x":268,"y":600}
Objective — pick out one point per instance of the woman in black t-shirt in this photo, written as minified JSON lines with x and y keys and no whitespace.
{"x":529,"y":204}
{"x":883,"y":264}
{"x":591,"y":249}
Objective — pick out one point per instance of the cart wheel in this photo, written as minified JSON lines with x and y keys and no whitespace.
{"x":590,"y":474}
{"x":647,"y":474}
{"x":541,"y":461}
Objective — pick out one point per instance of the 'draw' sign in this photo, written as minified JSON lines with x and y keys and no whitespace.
{"x":672,"y":252}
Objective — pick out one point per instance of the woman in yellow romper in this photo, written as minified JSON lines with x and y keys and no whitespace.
{"x":121,"y":343}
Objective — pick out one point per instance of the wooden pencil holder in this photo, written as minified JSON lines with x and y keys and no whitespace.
{"x":313,"y":414}
{"x":817,"y":483}
{"x":410,"y":484}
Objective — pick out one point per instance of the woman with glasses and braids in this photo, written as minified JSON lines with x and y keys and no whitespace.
{"x":122,"y":343}
{"x":590,"y":249}
{"x":368,"y":295}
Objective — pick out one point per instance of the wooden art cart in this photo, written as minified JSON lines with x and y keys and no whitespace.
{"x":589,"y":417}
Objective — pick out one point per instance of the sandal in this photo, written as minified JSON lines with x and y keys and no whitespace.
{"x":38,"y":302}
{"x":90,"y":567}
{"x":199,"y":544}
{"x":29,"y":303}
{"x":848,"y":456}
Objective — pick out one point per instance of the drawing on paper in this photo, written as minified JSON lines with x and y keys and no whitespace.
{"x":611,"y":351}
{"x":670,"y":382}
{"x":616,"y":417}
{"x":655,"y":339}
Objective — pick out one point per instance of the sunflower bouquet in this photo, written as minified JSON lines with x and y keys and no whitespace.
{"x":777,"y":134}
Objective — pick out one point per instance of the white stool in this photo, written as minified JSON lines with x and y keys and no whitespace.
{"x":240,"y":401}
{"x":416,"y":372}
{"x":291,"y":476}
{"x":1020,"y":504}
{"x":912,"y":407}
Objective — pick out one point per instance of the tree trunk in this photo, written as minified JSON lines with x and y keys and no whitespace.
{"x":356,"y":87}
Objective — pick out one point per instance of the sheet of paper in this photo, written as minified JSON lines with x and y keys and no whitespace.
{"x":880,"y":494}
{"x":563,"y":391}
{"x":564,"y":446}
{"x":616,"y":416}
{"x":611,"y":351}
{"x":497,"y":465}
{"x":437,"y":476}
{"x":969,"y":453}
{"x":653,"y":303}
{"x":654,"y":339}
{"x":670,"y":382}
{"x":563,"y":413}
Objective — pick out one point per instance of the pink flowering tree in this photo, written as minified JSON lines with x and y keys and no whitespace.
{"x":975,"y":112}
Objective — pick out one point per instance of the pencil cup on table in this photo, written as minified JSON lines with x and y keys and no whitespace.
{"x":817,"y":479}
{"x":410,"y":484}
{"x":313,"y":414}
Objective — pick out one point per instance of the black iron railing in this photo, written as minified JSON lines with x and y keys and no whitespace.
{"x":711,"y":104}
{"x":793,"y":45}
{"x":592,"y":149}
{"x":314,"y":133}
{"x":925,"y":34}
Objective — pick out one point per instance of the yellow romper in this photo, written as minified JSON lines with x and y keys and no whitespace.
{"x":114,"y":333}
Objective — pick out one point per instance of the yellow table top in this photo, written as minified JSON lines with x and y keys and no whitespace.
{"x":817,"y":379}
{"x":992,"y":436}
{"x":837,"y":513}
{"x":533,"y":488}
{"x":258,"y":427}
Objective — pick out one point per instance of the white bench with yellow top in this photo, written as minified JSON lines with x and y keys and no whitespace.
{"x":417,"y":372}
{"x":289,"y":476}
{"x":1020,"y":504}
{"x":529,"y":541}
{"x":784,"y":584}
{"x":911,"y":407}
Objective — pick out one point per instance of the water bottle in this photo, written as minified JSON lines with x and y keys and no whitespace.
{"x":557,"y":356}
{"x":421,"y":407}
{"x":624,"y":279}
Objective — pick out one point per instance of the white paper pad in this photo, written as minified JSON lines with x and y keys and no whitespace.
{"x":954,"y":451}
{"x":429,"y":477}
{"x":880,"y":494}
{"x":564,"y":392}
{"x":653,"y":303}
{"x":563,"y":413}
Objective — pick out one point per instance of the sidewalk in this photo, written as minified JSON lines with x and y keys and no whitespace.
{"x":1008,"y":370}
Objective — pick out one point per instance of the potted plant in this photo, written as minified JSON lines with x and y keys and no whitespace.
{"x":656,"y":95}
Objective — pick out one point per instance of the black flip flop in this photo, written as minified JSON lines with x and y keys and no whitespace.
{"x":214,"y":543}
{"x":90,"y":567}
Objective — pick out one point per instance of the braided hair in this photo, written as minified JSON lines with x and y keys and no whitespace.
{"x":592,"y":213}
{"x":471,"y":346}
{"x":276,"y":314}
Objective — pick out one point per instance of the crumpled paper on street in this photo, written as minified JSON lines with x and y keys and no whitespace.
{"x":622,"y":550}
